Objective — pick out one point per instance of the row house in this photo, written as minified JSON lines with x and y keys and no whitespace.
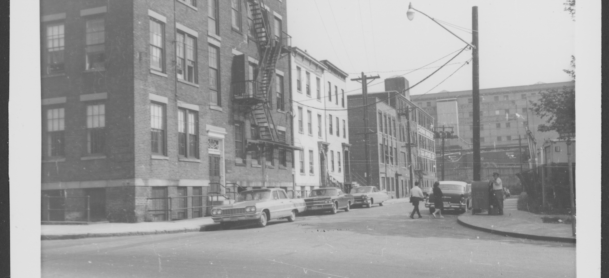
{"x":151,"y":108}
{"x":388,"y":116}
{"x":320,"y":123}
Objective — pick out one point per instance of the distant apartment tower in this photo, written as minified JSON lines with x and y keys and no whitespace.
{"x":320,"y":123}
{"x":388,"y":139}
{"x":152,"y":107}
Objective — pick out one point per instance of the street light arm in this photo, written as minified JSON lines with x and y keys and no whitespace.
{"x":470,"y":45}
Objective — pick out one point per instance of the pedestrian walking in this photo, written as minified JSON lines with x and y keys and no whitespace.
{"x":438,"y":200}
{"x":498,"y":192}
{"x":416,"y":195}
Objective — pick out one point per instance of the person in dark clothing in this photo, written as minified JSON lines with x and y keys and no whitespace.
{"x":438,"y":202}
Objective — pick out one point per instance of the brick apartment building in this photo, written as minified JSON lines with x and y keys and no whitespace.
{"x":505,"y":116}
{"x":175,"y":100}
{"x":388,"y":140}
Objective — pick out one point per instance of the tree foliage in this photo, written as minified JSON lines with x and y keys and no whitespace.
{"x":557,"y":107}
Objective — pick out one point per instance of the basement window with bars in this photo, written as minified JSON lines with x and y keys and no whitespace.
{"x":96,"y":123}
{"x":186,"y":62}
{"x":95,"y":49}
{"x":188,"y":139}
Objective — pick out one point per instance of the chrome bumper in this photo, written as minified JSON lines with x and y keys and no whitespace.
{"x":447,"y":206}
{"x":235,"y":218}
{"x":320,"y":207}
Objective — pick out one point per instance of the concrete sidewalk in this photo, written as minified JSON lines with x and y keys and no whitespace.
{"x":516,"y":223}
{"x":123,"y":229}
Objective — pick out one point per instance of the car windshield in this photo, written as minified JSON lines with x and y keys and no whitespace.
{"x":323,"y":192}
{"x":254,"y":195}
{"x":451,"y":188}
{"x":364,"y":189}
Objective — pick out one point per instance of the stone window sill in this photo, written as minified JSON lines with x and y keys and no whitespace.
{"x":93,"y":157}
{"x":188,"y":83}
{"x":191,"y":160}
{"x":159,"y":157}
{"x":188,"y":5}
{"x":215,"y":107}
{"x":158,"y":73}
{"x":214,"y":36}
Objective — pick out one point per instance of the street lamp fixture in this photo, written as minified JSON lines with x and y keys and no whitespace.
{"x":475,"y":83}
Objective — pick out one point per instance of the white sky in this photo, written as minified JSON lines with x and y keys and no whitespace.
{"x":521,"y":42}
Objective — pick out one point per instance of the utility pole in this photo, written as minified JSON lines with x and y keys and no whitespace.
{"x":364,"y":80}
{"x":409,"y":148}
{"x":476,"y":94}
{"x":571,"y":184}
{"x":520,"y":152}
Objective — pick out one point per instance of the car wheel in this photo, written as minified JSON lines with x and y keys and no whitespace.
{"x":348,"y":208}
{"x":335,"y":208}
{"x":292,"y":217}
{"x":381,"y":204}
{"x":263,"y":220}
{"x":431,"y":210}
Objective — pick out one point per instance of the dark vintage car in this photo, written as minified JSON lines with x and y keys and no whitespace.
{"x":369,"y":195}
{"x":328,"y":199}
{"x":258,"y":206}
{"x":457,"y":196}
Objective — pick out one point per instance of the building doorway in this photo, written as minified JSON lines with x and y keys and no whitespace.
{"x":97,"y":203}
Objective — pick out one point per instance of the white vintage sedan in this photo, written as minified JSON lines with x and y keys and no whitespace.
{"x":258,"y":206}
{"x":369,"y":195}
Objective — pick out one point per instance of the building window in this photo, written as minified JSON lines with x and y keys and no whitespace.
{"x":298,"y":79}
{"x":283,"y":161}
{"x":318,"y":82}
{"x":509,"y":138}
{"x":507,"y":111}
{"x":311,"y":163}
{"x":302,"y":162}
{"x":338,"y":160}
{"x":310,"y":122}
{"x":496,"y":98}
{"x":55,"y":126}
{"x":337,"y":127}
{"x":281,"y":135}
{"x":342,"y":99}
{"x":344,"y":129}
{"x":188,"y":142}
{"x":499,"y":138}
{"x":55,"y":40}
{"x":336,"y":94}
{"x":212,"y":17}
{"x":186,"y":63}
{"x":240,"y":141}
{"x":506,"y":97}
{"x":189,"y":2}
{"x":428,"y":104}
{"x":255,"y":154}
{"x":96,"y":38}
{"x":508,"y":125}
{"x":236,"y":14}
{"x":279,"y":90}
{"x":270,"y":158}
{"x":523,"y":96}
{"x":332,"y":160}
{"x":96,"y":123}
{"x":330,"y":123}
{"x":214,"y":75}
{"x":319,"y":125}
{"x":157,"y":128}
{"x":157,"y":45}
{"x":277,"y":27}
{"x":498,"y":125}
{"x":380,"y":122}
{"x":329,"y":91}
{"x":300,"y":123}
{"x":308,"y":88}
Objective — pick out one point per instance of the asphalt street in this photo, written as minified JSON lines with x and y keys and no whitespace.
{"x":376,"y":242}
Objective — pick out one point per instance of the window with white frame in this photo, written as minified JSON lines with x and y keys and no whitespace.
{"x":300,"y":123}
{"x":332,"y":160}
{"x":342,"y":99}
{"x":338,"y":160}
{"x":344,"y":129}
{"x":318,"y":82}
{"x":308,"y":88}
{"x":240,"y":141}
{"x":214,"y":75}
{"x":330,"y":123}
{"x":329,"y":91}
{"x":157,"y":45}
{"x":336,"y":94}
{"x":310,"y":122}
{"x":277,"y":27}
{"x":55,"y":126}
{"x":236,"y":14}
{"x":188,"y":139}
{"x":279,"y":92}
{"x":55,"y":48}
{"x":337,"y":127}
{"x":157,"y":128}
{"x":311,"y":163}
{"x":212,"y":17}
{"x":189,"y":2}
{"x":302,"y":162}
{"x":186,"y":62}
{"x":95,"y":49}
{"x":96,"y":123}
{"x":298,"y":79}
{"x":319,"y":125}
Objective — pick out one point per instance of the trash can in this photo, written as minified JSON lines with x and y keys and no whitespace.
{"x":481,"y":199}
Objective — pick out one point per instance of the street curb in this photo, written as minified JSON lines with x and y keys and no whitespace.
{"x":519,"y":235}
{"x":80,"y":236}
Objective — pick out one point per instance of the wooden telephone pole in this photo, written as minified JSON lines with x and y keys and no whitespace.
{"x":364,"y":80}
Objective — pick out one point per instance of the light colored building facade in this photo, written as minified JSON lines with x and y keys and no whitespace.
{"x":320,"y":135}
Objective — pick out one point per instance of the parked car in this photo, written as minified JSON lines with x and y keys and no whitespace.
{"x":328,"y":199}
{"x":369,"y":195}
{"x":258,"y":206}
{"x":457,"y":196}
